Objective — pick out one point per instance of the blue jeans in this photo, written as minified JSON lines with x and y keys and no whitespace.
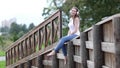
{"x":61,"y":43}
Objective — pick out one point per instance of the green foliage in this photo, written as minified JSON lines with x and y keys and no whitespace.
{"x":31,"y":26}
{"x":91,"y":11}
{"x":64,"y":31}
{"x":2,"y":53}
{"x":43,"y":46}
{"x":2,"y":64}
{"x":4,"y":29}
{"x":18,"y":30}
{"x":37,"y":47}
{"x":1,"y":42}
{"x":53,"y":5}
{"x":4,"y":42}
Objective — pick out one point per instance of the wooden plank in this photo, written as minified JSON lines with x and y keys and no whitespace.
{"x":77,"y":58}
{"x":34,"y":67}
{"x":32,"y":56}
{"x":55,"y":62}
{"x":47,"y":62}
{"x":108,"y":47}
{"x":116,"y":30}
{"x":40,"y":61}
{"x":21,"y":66}
{"x":60,"y":56}
{"x":108,"y":32}
{"x":29,"y":64}
{"x":90,"y":35}
{"x":90,"y":64}
{"x":97,"y":39}
{"x":89,"y":44}
{"x":103,"y":21}
{"x":76,"y":42}
{"x":83,"y":50}
{"x":105,"y":67}
{"x":70,"y":51}
{"x":88,"y":29}
{"x":108,"y":19}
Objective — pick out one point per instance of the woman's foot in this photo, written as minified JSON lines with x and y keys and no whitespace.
{"x":51,"y":53}
{"x":65,"y":60}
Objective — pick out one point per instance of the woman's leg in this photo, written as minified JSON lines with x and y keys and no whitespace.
{"x":62,"y":41}
{"x":61,"y":44}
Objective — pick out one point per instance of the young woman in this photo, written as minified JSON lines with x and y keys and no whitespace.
{"x":72,"y":33}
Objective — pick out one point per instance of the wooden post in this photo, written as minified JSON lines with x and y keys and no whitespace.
{"x":60,"y":23}
{"x":97,"y":39}
{"x":116,"y":25}
{"x":34,"y":42}
{"x":11,"y":60}
{"x":29,"y":45}
{"x":83,"y":50}
{"x":29,"y":64}
{"x":71,"y":50}
{"x":40,"y":61}
{"x":14,"y":54}
{"x":6,"y":58}
{"x":26,"y":47}
{"x":21,"y":65}
{"x":55,"y":62}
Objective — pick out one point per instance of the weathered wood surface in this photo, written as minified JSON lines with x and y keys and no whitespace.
{"x":116,"y":27}
{"x":97,"y":39}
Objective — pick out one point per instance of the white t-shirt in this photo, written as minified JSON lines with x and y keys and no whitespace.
{"x":72,"y":27}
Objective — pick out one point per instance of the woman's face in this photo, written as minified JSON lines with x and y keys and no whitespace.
{"x":73,"y":12}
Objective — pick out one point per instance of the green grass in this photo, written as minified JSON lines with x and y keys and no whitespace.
{"x":2,"y":64}
{"x":2,"y":53}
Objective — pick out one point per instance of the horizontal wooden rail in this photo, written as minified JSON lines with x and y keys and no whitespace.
{"x":77,"y":59}
{"x":108,"y":47}
{"x":47,"y":62}
{"x":90,"y":64}
{"x":89,"y":44}
{"x":105,"y":67}
{"x":32,"y":56}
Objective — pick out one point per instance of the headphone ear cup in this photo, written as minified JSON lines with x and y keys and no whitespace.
{"x":77,"y":13}
{"x":70,"y":11}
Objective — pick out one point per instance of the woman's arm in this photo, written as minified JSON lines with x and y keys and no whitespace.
{"x":76,"y":23}
{"x":69,"y":32}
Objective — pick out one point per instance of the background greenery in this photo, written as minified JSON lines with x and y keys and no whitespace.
{"x":9,"y":35}
{"x":91,"y":11}
{"x":2,"y":64}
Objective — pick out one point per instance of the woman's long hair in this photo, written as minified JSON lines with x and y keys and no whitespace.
{"x":77,"y":13}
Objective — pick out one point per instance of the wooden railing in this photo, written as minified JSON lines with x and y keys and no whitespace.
{"x":45,"y":34}
{"x":97,"y":47}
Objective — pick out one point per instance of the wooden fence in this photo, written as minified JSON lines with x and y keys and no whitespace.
{"x":24,"y":51}
{"x":97,"y":47}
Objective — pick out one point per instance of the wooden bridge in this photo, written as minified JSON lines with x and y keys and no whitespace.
{"x":97,"y":47}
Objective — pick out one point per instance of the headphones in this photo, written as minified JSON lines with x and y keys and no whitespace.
{"x":76,"y":13}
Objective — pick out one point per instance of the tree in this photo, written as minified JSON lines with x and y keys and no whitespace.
{"x":4,"y":29}
{"x":91,"y":11}
{"x":52,"y":7}
{"x":15,"y":28}
{"x":31,"y":26}
{"x":24,"y":28}
{"x":2,"y":42}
